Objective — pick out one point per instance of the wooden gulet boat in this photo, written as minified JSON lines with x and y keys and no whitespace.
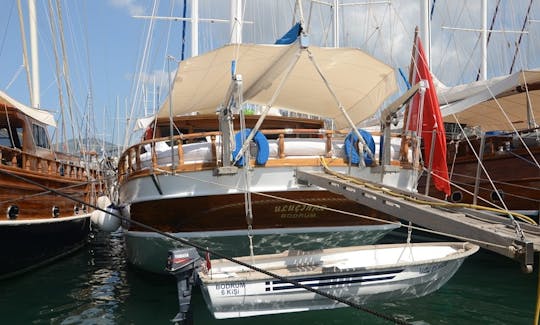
{"x":210,"y":207}
{"x":193,"y":184}
{"x":39,"y":226}
{"x":493,"y":157}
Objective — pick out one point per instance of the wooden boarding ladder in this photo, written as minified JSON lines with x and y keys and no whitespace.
{"x":489,"y":230}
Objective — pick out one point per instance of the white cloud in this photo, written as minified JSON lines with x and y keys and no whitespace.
{"x":132,"y":6}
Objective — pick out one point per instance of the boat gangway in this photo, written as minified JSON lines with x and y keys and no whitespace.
{"x":506,"y":236}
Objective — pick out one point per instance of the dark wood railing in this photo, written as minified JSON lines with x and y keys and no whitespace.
{"x":20,"y":160}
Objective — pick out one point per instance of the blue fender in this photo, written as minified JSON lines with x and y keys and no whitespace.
{"x":351,"y":148}
{"x":263,"y":151}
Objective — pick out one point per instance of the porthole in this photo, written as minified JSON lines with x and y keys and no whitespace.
{"x":456,"y":196}
{"x":12,"y":212}
{"x":497,"y":195}
{"x":55,"y":212}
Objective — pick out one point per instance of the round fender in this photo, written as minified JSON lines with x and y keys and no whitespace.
{"x":263,"y":149}
{"x":106,"y":221}
{"x":351,"y":148}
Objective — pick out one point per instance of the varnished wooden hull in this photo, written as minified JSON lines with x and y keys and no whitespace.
{"x":37,"y":236}
{"x":227,"y":212}
{"x":27,"y":245}
{"x":514,"y":174}
{"x":219,"y":222}
{"x":34,"y":202}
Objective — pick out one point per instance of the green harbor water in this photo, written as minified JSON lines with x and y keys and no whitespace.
{"x":97,"y":286}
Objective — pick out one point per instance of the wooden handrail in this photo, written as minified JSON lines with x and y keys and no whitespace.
{"x":129,"y":163}
{"x":14,"y":157}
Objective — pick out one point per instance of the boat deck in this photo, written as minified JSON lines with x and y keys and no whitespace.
{"x":514,"y":239}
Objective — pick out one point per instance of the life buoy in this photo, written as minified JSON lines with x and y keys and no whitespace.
{"x":263,"y":149}
{"x":351,"y":147}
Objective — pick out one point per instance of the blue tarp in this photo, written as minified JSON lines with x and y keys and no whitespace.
{"x":290,"y":36}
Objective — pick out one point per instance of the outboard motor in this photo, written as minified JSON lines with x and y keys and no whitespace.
{"x":183,"y":264}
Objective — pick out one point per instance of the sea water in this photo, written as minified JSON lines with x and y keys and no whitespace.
{"x":97,"y":286}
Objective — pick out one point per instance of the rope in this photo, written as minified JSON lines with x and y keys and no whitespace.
{"x":480,"y":163}
{"x":269,"y":105}
{"x":188,"y":243}
{"x":341,"y":108}
{"x":496,"y":209}
{"x":424,"y":202}
{"x":340,"y":211}
{"x":247,"y":192}
{"x":484,"y":200}
{"x":521,"y":35}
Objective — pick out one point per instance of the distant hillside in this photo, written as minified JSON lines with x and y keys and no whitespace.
{"x":90,"y":144}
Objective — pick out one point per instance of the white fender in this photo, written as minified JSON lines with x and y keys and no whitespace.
{"x":106,"y":221}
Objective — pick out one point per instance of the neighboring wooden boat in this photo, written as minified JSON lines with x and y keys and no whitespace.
{"x":363,"y":275}
{"x":39,"y":226}
{"x":499,"y":130}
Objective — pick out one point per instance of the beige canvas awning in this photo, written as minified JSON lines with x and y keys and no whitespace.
{"x":39,"y":115}
{"x":497,"y":104}
{"x":360,"y":82}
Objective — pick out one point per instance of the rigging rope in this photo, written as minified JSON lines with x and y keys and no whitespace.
{"x":420,"y":201}
{"x":480,"y":164}
{"x":340,"y":211}
{"x":521,"y":35}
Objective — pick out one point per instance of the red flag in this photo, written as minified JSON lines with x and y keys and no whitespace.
{"x":208,"y":263}
{"x":431,"y":120}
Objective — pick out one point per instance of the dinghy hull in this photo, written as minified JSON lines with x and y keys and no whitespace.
{"x":362,"y":274}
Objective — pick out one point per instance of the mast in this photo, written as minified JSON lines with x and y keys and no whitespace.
{"x":336,"y":23}
{"x":194,"y":28}
{"x":425,"y":29}
{"x":236,"y":21}
{"x":483,"y":69}
{"x":34,"y":54}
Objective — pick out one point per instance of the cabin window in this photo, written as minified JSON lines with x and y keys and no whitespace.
{"x":5,"y":139}
{"x":40,"y":136}
{"x":11,"y":139}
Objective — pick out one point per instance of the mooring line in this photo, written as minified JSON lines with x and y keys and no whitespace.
{"x":231,"y":259}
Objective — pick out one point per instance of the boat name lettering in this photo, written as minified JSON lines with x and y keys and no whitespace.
{"x":432,"y":267}
{"x":298,"y":215}
{"x":296,"y":208}
{"x":230,"y":289}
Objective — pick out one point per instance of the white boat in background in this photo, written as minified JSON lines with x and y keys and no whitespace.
{"x":361,"y":274}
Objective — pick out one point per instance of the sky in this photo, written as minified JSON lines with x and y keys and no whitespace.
{"x":116,"y":67}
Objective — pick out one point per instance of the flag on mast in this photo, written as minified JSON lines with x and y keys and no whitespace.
{"x":427,"y":114}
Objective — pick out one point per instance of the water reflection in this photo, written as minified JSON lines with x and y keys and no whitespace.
{"x":88,"y":287}
{"x":102,"y":290}
{"x":97,"y":286}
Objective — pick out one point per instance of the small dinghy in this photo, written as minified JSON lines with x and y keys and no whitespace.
{"x":360,"y":274}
